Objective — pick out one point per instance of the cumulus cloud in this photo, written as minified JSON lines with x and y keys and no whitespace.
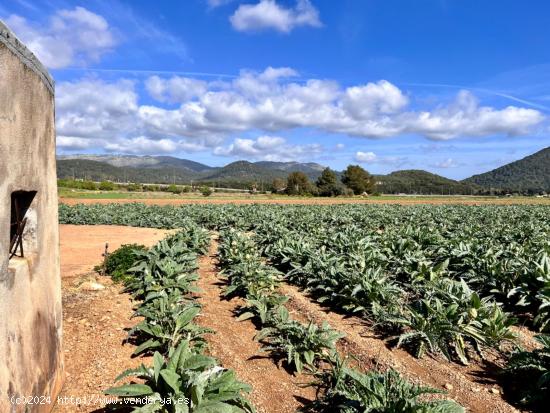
{"x":74,"y":143}
{"x":270,"y":101}
{"x":464,"y":117}
{"x":446,"y":163}
{"x":94,"y":113}
{"x":141,"y":144}
{"x":365,"y":157}
{"x":268,"y":148}
{"x":268,"y":14}
{"x":372,"y":158}
{"x":364,"y":102}
{"x":93,"y":108}
{"x":175,"y":89}
{"x":203,"y":114}
{"x":77,"y":36}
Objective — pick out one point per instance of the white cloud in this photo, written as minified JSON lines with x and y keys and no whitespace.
{"x":269,"y":101}
{"x":140,"y":145}
{"x":268,"y":148}
{"x":268,"y":14}
{"x":207,"y":113}
{"x":175,"y":89}
{"x":464,"y":117}
{"x":365,"y":157}
{"x":71,"y":37}
{"x":74,"y":143}
{"x":447,"y":163}
{"x":372,"y":158}
{"x":94,"y":108}
{"x":373,"y":99}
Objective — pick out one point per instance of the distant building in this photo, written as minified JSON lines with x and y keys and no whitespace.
{"x":31,"y":357}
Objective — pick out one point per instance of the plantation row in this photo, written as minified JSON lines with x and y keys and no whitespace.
{"x":340,"y":388}
{"x":182,"y":378}
{"x":449,"y":280}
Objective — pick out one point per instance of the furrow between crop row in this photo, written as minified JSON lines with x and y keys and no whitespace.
{"x":182,"y":377}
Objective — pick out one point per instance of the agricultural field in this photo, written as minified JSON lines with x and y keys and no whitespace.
{"x":74,"y":197}
{"x":337,"y":308}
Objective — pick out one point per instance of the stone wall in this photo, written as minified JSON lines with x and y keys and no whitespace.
{"x":31,"y":362}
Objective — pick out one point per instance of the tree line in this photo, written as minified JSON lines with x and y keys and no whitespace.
{"x":354,"y":181}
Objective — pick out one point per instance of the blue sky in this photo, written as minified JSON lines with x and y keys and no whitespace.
{"x":456,"y":87}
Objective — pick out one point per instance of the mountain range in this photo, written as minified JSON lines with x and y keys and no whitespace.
{"x":530,"y":174}
{"x":167,"y":169}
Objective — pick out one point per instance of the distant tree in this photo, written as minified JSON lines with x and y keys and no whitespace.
{"x":278,"y":185}
{"x":106,"y":186}
{"x":327,"y":183}
{"x":89,"y":185}
{"x":358,"y":180}
{"x":134,"y":187}
{"x":151,"y":188}
{"x":206,"y":191}
{"x":174,"y":189}
{"x":298,"y":183}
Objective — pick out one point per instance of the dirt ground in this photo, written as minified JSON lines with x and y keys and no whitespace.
{"x":317,"y":201}
{"x":274,"y":390}
{"x":94,"y":321}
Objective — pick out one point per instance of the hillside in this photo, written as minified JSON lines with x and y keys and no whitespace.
{"x":239,"y":174}
{"x":134,"y":161}
{"x":102,"y":171}
{"x":309,"y":168}
{"x":166,"y":170}
{"x":421,"y":182}
{"x":530,"y":175}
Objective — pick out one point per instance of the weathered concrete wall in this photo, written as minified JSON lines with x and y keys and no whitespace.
{"x":31,"y":362}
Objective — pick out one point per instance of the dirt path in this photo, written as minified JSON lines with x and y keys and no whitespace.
{"x":94,"y":321}
{"x":313,"y":201}
{"x":274,"y":390}
{"x":82,"y":245}
{"x":477,"y":394}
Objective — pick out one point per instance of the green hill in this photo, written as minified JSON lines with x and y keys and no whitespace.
{"x":528,"y":175}
{"x":421,"y":182}
{"x":102,"y":171}
{"x":168,"y":169}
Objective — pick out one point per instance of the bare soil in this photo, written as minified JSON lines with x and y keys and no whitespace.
{"x":314,"y":201}
{"x":274,"y":389}
{"x":94,"y":322}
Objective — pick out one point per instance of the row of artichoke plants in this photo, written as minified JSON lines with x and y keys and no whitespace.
{"x":309,"y":347}
{"x":182,"y":378}
{"x":419,"y":307}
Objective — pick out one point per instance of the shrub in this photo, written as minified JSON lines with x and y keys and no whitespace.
{"x":134,"y":187}
{"x":174,"y":189}
{"x":121,"y":260}
{"x":206,"y":191}
{"x":151,"y":188}
{"x":106,"y":186}
{"x":90,"y":185}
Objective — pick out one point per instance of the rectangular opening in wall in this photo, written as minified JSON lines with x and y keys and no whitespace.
{"x":21,"y":221}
